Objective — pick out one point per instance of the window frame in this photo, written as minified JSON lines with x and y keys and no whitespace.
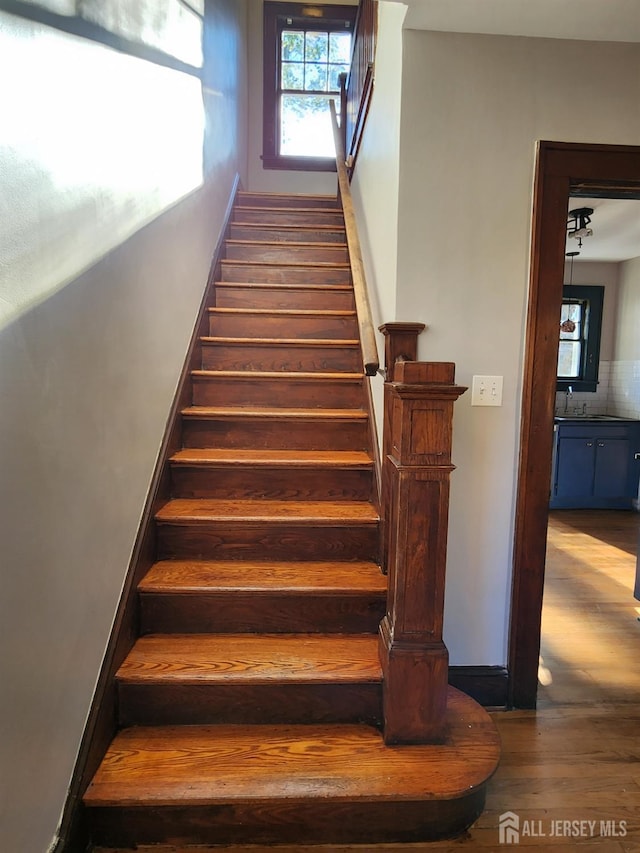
{"x":590,"y":357}
{"x":327,"y":18}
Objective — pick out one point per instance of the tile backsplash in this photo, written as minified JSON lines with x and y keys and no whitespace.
{"x":618,"y":392}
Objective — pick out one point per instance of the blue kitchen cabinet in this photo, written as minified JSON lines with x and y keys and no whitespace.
{"x":595,"y":464}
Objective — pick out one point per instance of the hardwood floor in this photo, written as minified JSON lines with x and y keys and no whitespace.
{"x":577,"y":758}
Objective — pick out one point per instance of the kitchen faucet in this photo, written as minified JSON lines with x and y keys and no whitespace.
{"x":568,"y":394}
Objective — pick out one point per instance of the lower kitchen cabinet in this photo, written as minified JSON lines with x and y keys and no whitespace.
{"x":595,"y":464}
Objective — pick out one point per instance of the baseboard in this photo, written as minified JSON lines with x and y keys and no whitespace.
{"x":488,"y":685}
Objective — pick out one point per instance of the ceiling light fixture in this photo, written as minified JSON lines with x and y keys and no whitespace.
{"x":578,"y":223}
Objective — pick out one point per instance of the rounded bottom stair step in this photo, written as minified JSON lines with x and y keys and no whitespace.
{"x":284,"y":784}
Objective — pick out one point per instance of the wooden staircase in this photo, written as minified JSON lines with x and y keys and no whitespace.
{"x":250,"y":705}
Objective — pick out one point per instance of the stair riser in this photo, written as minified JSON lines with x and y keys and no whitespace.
{"x":228,"y":540}
{"x":283,"y":216}
{"x":195,"y":704}
{"x":274,"y":298}
{"x":288,"y":253}
{"x":284,"y":392}
{"x":247,"y":481}
{"x":290,"y":821}
{"x":284,"y":273}
{"x":227,"y":612}
{"x":272,"y":434}
{"x":290,"y":326}
{"x":286,"y":200}
{"x":282,"y":357}
{"x":286,"y":235}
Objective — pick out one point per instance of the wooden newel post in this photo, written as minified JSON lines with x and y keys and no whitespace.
{"x":417,"y":470}
{"x":400,"y":344}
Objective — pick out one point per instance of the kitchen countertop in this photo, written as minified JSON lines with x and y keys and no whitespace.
{"x":595,"y":418}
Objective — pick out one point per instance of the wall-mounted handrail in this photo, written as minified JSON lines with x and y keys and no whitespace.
{"x":363,"y":307}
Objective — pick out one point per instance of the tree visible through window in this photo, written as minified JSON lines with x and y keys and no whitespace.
{"x":311,"y":63}
{"x":306,"y":50}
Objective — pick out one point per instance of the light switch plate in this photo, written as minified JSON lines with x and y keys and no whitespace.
{"x":486,"y":391}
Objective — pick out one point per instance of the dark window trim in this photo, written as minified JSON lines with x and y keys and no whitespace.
{"x":272,"y":13}
{"x":594,"y":293}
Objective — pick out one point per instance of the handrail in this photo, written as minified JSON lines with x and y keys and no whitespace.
{"x":363,"y":307}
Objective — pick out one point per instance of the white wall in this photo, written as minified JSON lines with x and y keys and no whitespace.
{"x":627,"y":339}
{"x":624,"y":392}
{"x":99,"y":312}
{"x":472,"y":110}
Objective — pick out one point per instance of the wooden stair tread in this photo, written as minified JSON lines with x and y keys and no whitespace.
{"x":265,"y":244}
{"x":253,"y":196}
{"x":276,"y":227}
{"x":277,"y":374}
{"x":270,"y":458}
{"x":199,"y":576}
{"x":206,"y":510}
{"x":301,"y":208}
{"x":239,"y":262}
{"x":272,"y":413}
{"x":281,"y":285}
{"x":211,"y":340}
{"x":280,"y":312}
{"x":253,"y":659}
{"x":220,"y":764}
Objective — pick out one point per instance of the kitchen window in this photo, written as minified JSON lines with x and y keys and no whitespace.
{"x":579,"y":346}
{"x":306,"y":48}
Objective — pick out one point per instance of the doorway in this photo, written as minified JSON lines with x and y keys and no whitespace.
{"x":561,"y":169}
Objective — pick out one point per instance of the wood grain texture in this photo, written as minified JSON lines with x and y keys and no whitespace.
{"x":270,"y":390}
{"x":283,"y":322}
{"x":291,"y":201}
{"x":321,"y":513}
{"x":297,"y":272}
{"x":277,"y":354}
{"x":335,"y":297}
{"x":263,"y":251}
{"x":209,"y":765}
{"x":283,"y":474}
{"x":251,"y":659}
{"x":301,"y":678}
{"x":201,"y":597}
{"x":300,"y":233}
{"x":283,"y":216}
{"x":262,"y":578}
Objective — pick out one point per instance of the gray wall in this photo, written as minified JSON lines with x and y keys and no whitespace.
{"x":104,"y":258}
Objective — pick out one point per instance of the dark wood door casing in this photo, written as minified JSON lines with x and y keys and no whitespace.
{"x":561,"y":169}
